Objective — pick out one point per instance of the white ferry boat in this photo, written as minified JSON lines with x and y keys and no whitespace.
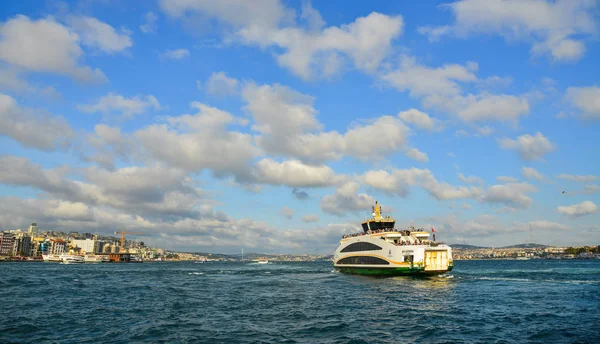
{"x":72,"y":259}
{"x":52,"y":258}
{"x":263,"y":260}
{"x":382,"y":250}
{"x":95,"y":259}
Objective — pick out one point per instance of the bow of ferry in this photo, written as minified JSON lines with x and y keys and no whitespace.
{"x":382,"y":250}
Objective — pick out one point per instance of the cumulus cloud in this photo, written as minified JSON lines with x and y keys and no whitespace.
{"x":150,"y":23}
{"x":548,"y":225}
{"x":11,"y":79}
{"x":175,"y":54}
{"x":531,"y":173}
{"x":577,"y":177}
{"x":33,"y":128}
{"x":417,"y":155}
{"x":441,"y":88}
{"x":419,"y":119}
{"x":199,"y":141}
{"x":577,"y":210}
{"x":108,"y":143}
{"x":219,"y":84}
{"x":346,"y":199}
{"x":97,"y":34}
{"x":529,"y":147}
{"x":287,"y":212}
{"x":311,"y":52}
{"x":399,"y":181}
{"x":470,"y":179}
{"x":592,"y":188}
{"x":115,"y":104}
{"x":511,"y":194}
{"x":586,"y":100}
{"x":506,"y":179}
{"x":286,"y":120}
{"x":293,"y":173}
{"x":52,"y":48}
{"x":310,"y":218}
{"x":555,"y":28}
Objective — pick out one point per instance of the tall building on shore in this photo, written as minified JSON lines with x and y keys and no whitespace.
{"x":7,"y":242}
{"x":32,"y":230}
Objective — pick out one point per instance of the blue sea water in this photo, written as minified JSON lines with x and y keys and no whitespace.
{"x":534,"y":301}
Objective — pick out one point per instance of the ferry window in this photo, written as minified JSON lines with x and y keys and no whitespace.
{"x":363,"y":260}
{"x":361,"y":246}
{"x":408,"y":259}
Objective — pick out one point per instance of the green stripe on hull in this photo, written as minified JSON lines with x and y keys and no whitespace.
{"x":398,"y":271}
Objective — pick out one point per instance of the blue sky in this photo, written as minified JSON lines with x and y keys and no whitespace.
{"x":274,"y":125}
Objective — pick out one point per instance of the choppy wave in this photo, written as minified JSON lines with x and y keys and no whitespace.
{"x":479,"y":301}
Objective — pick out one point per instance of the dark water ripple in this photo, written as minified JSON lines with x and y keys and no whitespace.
{"x":479,"y":302}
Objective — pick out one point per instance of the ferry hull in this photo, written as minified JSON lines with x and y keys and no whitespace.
{"x":391,"y":271}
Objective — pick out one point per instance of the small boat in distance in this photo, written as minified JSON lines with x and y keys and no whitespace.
{"x":382,"y":250}
{"x":263,"y":260}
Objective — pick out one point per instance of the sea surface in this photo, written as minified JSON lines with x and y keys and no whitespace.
{"x":535,"y":301}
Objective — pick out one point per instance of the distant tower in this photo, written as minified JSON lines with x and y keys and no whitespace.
{"x":530,"y":235}
{"x":32,"y":230}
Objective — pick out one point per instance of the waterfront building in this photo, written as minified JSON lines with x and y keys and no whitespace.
{"x":57,"y":247}
{"x":32,"y":230}
{"x":86,"y":246}
{"x":21,"y":245}
{"x":6,"y":243}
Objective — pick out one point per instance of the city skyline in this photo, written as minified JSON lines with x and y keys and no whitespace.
{"x":277,"y":131}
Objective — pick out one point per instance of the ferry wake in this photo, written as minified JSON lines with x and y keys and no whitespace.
{"x":382,"y":250}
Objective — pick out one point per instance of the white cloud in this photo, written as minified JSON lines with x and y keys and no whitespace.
{"x":441,"y":88}
{"x":577,"y":210}
{"x":511,"y":194}
{"x":548,"y":225}
{"x":505,"y":179}
{"x":200,"y":141}
{"x":366,"y":42}
{"x":586,"y":99}
{"x":11,"y":80}
{"x":286,"y":120}
{"x":554,"y":28}
{"x":531,"y":173}
{"x":345,"y":199}
{"x":385,"y":135}
{"x":108,"y":144}
{"x":577,"y":177}
{"x":33,"y":128}
{"x":51,"y":47}
{"x":121,"y":106}
{"x":219,"y":84}
{"x":592,"y":188}
{"x":175,"y":54}
{"x":398,"y":182}
{"x":484,"y":131}
{"x":417,"y":155}
{"x":470,"y":179}
{"x":287,"y":212}
{"x":293,"y":173}
{"x":100,"y":35}
{"x":529,"y":147}
{"x":419,"y":119}
{"x":150,"y":25}
{"x":310,"y":218}
{"x":307,"y":53}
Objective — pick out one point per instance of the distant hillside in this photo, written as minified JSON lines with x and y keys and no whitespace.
{"x":466,"y":247}
{"x":526,"y":246}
